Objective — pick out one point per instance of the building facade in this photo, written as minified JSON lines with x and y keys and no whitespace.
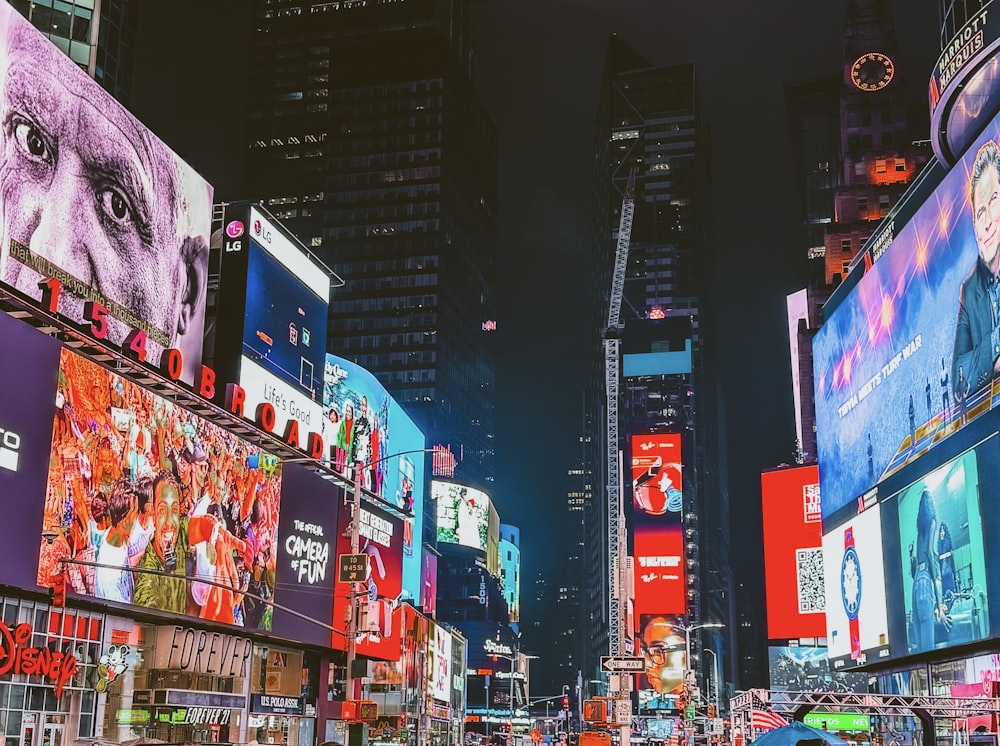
{"x":367,"y":140}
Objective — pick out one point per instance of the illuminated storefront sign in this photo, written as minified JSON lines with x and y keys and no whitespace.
{"x":16,"y":657}
{"x":199,"y":651}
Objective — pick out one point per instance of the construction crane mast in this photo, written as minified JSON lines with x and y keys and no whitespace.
{"x":618,"y":560}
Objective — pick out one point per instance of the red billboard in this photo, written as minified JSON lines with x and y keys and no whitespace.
{"x":381,"y":538}
{"x":658,"y":536}
{"x":793,"y":553}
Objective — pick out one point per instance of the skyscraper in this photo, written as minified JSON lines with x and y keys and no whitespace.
{"x":650,"y":126}
{"x":98,"y":36}
{"x":368,"y":141}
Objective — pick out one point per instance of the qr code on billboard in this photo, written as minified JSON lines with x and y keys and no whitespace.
{"x":809,"y":572}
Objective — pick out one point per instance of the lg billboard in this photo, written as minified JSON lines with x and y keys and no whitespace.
{"x":270,"y":332}
{"x":793,"y":553}
{"x":909,"y":357}
{"x":97,"y":204}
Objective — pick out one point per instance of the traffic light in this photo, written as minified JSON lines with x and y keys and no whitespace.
{"x":59,"y":587}
{"x":711,"y":711}
{"x":565,"y":703}
{"x":595,"y":711}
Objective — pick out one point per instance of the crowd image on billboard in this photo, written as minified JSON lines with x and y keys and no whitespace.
{"x":159,"y":500}
{"x":912,"y":354}
{"x":807,"y":669}
{"x":942,"y":558}
{"x":93,"y":199}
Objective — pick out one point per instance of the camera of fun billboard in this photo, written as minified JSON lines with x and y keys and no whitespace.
{"x":92,"y":199}
{"x":147,"y":500}
{"x":910,"y":355}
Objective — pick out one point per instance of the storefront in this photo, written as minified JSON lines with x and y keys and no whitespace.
{"x":47,"y":673}
{"x":174,"y":683}
{"x":283,"y":696}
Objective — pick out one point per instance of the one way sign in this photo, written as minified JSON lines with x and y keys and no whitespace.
{"x":614,"y":663}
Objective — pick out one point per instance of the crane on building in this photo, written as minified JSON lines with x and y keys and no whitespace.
{"x":618,"y":560}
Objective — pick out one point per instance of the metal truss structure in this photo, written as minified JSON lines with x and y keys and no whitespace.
{"x":795,"y":705}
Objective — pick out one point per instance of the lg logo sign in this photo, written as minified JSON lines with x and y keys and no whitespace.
{"x":10,"y":449}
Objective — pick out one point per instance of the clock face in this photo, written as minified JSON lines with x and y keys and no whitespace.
{"x":872,"y":71}
{"x":850,"y":583}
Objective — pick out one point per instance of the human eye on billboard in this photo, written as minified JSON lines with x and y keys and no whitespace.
{"x":161,"y":508}
{"x":910,"y":356}
{"x":942,"y":558}
{"x":96,"y":202}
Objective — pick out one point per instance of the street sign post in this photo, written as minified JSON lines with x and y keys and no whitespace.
{"x":623,"y":711}
{"x":613,"y":663}
{"x":353,"y":568}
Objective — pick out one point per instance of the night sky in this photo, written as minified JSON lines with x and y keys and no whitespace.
{"x":538,"y":69}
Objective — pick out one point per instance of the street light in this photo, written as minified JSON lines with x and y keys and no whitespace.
{"x":352,"y":629}
{"x":687,"y":636}
{"x":715,"y":676}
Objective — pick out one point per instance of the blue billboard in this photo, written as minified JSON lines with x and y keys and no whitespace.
{"x":910,"y":355}
{"x":365,"y":424}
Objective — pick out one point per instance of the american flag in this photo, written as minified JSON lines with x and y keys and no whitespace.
{"x":766,"y":720}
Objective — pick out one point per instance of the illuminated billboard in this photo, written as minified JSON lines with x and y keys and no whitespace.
{"x":908,"y":357}
{"x":365,"y":423}
{"x":97,"y":205}
{"x":856,"y":616}
{"x":793,"y":553}
{"x":658,"y":536}
{"x":270,"y":330}
{"x":662,"y":644}
{"x":159,"y":498}
{"x":307,"y":561}
{"x":807,"y":669}
{"x":510,"y":569}
{"x":439,"y":663}
{"x":942,"y":559}
{"x":462,"y":514}
{"x":26,"y":404}
{"x":381,"y":538}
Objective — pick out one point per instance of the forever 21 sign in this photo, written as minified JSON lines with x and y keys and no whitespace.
{"x":199,"y":651}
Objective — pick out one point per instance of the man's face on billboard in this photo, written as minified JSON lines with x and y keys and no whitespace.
{"x":87,"y":188}
{"x":986,"y":214}
{"x":663,"y":649}
{"x":167,"y":521}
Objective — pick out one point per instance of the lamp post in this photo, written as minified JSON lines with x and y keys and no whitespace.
{"x":715,"y":677}
{"x":352,"y":627}
{"x":687,"y":639}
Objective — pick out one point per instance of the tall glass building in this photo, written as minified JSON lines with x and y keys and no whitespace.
{"x":98,"y":35}
{"x":368,"y":141}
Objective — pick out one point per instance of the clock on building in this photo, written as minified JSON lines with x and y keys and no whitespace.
{"x":872,"y":71}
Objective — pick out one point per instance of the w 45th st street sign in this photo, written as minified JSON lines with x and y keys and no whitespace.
{"x":620,"y":663}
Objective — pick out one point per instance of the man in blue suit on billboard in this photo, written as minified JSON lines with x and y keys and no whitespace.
{"x":977,"y":334}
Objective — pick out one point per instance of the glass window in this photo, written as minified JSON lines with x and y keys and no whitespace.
{"x":62,"y":13}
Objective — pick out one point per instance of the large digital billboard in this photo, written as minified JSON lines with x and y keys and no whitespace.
{"x":307,"y":561}
{"x":462,"y":514}
{"x":657,"y":532}
{"x":381,"y":538}
{"x":942,"y":560}
{"x":793,"y":553}
{"x":29,"y":368}
{"x":663,"y":647}
{"x":365,"y":423}
{"x":910,"y":354}
{"x":807,"y":669}
{"x":270,"y":329}
{"x":93,"y":200}
{"x":856,"y":616}
{"x":439,"y":663}
{"x":159,"y":499}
